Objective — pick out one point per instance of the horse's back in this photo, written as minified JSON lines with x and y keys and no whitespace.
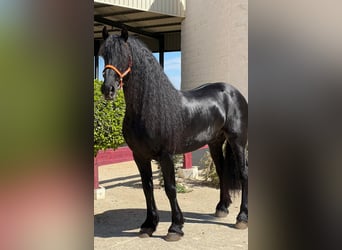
{"x":208,"y":89}
{"x":227,"y":94}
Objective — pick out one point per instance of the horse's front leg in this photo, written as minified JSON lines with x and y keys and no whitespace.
{"x":175,"y":231}
{"x":152,"y":218}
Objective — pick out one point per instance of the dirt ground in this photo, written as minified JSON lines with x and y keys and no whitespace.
{"x":118,"y":217}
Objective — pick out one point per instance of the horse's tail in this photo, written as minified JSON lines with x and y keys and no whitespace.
{"x":233,"y":173}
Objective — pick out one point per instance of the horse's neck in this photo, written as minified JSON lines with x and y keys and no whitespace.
{"x":142,"y":96}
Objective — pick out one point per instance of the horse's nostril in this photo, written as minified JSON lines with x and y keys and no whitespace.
{"x":112,"y":89}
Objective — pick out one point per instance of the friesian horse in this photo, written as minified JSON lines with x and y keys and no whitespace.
{"x":161,"y":121}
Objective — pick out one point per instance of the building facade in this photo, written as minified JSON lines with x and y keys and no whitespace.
{"x":214,"y":43}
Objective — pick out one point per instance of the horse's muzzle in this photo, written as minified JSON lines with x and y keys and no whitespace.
{"x":108,"y":92}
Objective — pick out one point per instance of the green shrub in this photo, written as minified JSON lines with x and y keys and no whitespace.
{"x":182,"y":188}
{"x":108,"y":117}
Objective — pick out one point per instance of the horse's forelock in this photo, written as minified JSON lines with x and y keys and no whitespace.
{"x":113,"y":47}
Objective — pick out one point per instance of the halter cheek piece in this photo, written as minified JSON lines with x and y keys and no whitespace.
{"x":121,"y":75}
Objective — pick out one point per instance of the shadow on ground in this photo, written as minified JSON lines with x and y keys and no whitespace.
{"x":132,"y":181}
{"x":116,"y":223}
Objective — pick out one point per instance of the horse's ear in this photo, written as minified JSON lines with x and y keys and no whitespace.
{"x":105,"y":33}
{"x":124,"y":34}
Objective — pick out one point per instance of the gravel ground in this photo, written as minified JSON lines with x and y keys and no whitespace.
{"x":118,"y":217}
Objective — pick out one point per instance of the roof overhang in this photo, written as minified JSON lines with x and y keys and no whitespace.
{"x":151,"y":26}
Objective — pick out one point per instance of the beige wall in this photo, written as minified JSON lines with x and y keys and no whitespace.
{"x":214,"y":43}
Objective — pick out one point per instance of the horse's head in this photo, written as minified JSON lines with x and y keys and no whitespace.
{"x":118,"y":61}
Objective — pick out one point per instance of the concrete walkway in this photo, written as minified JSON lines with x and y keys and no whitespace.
{"x":118,"y":217}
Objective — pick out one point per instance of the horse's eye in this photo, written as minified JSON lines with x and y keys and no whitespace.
{"x":103,"y":73}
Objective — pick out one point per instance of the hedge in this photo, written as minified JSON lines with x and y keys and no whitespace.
{"x":108,"y":117}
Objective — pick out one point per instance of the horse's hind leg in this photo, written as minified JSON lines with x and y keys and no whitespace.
{"x":167,"y":166}
{"x":219,"y":161}
{"x":152,"y":218}
{"x":239,"y":149}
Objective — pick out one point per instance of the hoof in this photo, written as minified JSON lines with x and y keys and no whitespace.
{"x":172,"y":237}
{"x":145,"y":232}
{"x":220,"y":214}
{"x":241,"y":225}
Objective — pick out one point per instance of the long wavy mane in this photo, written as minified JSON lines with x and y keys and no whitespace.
{"x":149,"y":93}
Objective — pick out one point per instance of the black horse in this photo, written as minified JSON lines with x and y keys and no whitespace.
{"x":161,"y":121}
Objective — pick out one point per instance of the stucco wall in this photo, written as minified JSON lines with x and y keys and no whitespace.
{"x":214,"y":43}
